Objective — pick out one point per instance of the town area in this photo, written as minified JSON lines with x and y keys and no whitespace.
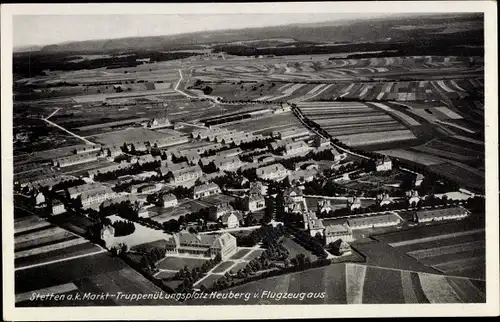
{"x":360,"y":174}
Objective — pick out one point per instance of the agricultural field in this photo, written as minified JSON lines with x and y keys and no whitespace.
{"x":117,"y":138}
{"x":355,"y":124}
{"x":94,"y":274}
{"x":265,"y":124}
{"x":458,"y":252}
{"x":36,"y":242}
{"x":360,"y":284}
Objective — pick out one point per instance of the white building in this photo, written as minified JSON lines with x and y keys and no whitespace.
{"x":96,"y":197}
{"x":384,"y":164}
{"x":205,"y":190}
{"x":384,"y":199}
{"x":169,"y":200}
{"x":184,"y":175}
{"x":412,"y":197}
{"x":39,"y":198}
{"x":353,"y":203}
{"x":74,"y":192}
{"x":75,"y":159}
{"x":295,"y":148}
{"x":313,"y":224}
{"x":57,"y":208}
{"x":254,"y":202}
{"x":111,"y":168}
{"x":294,"y":132}
{"x":440,"y":214}
{"x":231,"y":163}
{"x":157,"y":123}
{"x":88,"y":149}
{"x":364,"y":222}
{"x":336,"y":232}
{"x":272,"y":172}
{"x":231,"y":220}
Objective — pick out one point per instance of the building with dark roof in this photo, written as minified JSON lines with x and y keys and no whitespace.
{"x":207,"y":246}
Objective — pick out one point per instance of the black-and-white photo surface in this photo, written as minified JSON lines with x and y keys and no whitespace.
{"x":273,"y":158}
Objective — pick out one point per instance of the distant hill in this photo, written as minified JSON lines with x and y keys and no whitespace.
{"x":394,"y":28}
{"x":23,"y":49}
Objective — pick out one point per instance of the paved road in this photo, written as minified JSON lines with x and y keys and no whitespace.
{"x":48,"y":117}
{"x":71,"y":133}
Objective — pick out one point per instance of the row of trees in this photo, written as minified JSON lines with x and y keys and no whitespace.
{"x":150,"y":258}
{"x":266,"y":233}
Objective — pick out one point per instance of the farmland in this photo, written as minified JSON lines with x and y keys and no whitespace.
{"x":265,"y":124}
{"x":358,"y":284}
{"x":38,"y":242}
{"x":456,"y":253}
{"x":355,"y":124}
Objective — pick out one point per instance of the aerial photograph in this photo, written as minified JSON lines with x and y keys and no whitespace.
{"x":243,"y":159}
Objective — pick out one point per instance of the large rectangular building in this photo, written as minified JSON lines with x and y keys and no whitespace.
{"x":375,"y":221}
{"x":75,"y":159}
{"x":440,"y":214}
{"x":207,"y":246}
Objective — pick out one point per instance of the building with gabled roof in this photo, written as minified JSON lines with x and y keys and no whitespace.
{"x":219,"y":210}
{"x":320,"y":142}
{"x":336,"y":232}
{"x":384,"y":199}
{"x":254,"y":202}
{"x":156,"y":123}
{"x":207,"y":246}
{"x":232,"y":163}
{"x":74,"y":192}
{"x":412,"y":197}
{"x":353,"y":203}
{"x":138,"y":146}
{"x":111,"y":168}
{"x":57,"y":208}
{"x":88,"y":149}
{"x":169,"y":200}
{"x":290,"y":133}
{"x":374,"y":221}
{"x":340,"y":247}
{"x":295,"y":148}
{"x":272,"y":172}
{"x":169,"y":141}
{"x":180,"y":176}
{"x":231,"y":220}
{"x":96,"y":196}
{"x":441,"y":214}
{"x":205,"y":190}
{"x":75,"y":159}
{"x":313,"y":224}
{"x":229,"y":153}
{"x":383,"y":164}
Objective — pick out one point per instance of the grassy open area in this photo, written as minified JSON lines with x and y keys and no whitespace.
{"x":223,"y":266}
{"x":177,"y":263}
{"x":240,"y":253}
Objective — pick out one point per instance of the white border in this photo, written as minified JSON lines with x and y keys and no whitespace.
{"x":491,"y":308}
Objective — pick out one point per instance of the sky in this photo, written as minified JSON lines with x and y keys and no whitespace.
{"x":31,"y":30}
